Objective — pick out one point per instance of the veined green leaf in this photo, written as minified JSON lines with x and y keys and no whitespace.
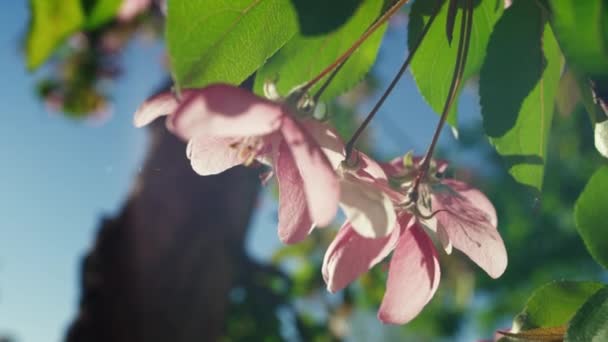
{"x":517,"y":88}
{"x":433,"y":65}
{"x":554,"y":304}
{"x":303,"y":57}
{"x":225,"y":41}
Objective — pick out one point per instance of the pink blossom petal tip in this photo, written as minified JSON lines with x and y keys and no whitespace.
{"x":413,"y":277}
{"x":158,"y":105}
{"x":350,"y":255}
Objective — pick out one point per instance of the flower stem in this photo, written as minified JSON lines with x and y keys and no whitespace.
{"x":461,"y":58}
{"x":375,"y":26}
{"x":350,"y":145}
{"x":328,"y":81}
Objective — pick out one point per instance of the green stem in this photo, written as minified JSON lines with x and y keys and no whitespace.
{"x":461,"y":58}
{"x":350,"y":145}
{"x":376,"y":25}
{"x":327,"y":82}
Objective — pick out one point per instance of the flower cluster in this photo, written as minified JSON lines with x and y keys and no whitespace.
{"x":450,"y":211}
{"x":399,"y":207}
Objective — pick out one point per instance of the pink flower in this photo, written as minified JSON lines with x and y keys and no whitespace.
{"x":364,"y":197}
{"x":363,"y":187}
{"x":227,"y":126}
{"x":459,"y":216}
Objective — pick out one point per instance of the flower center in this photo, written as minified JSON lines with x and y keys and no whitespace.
{"x":248,"y":148}
{"x":416,"y":199}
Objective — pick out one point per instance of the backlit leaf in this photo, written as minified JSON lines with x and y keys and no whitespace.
{"x":581,"y":28}
{"x":517,"y":88}
{"x":554,"y":304}
{"x":433,"y":65}
{"x":225,"y":41}
{"x":52,"y":21}
{"x":591,"y":216}
{"x":303,"y":57}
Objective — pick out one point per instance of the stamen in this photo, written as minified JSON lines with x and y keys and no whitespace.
{"x":248,"y":149}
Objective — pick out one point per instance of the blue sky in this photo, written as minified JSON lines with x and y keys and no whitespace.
{"x":59,"y":177}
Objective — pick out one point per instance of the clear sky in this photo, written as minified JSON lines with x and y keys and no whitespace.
{"x":58,"y":177}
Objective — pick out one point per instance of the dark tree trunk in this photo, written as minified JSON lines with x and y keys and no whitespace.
{"x":162,"y":269}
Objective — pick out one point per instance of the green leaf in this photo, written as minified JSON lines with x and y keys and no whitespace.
{"x":303,"y":57}
{"x":601,"y":138}
{"x":581,"y":28}
{"x":225,"y":41}
{"x":554,"y":304}
{"x":433,"y":65}
{"x":590,"y":324}
{"x":517,"y":88}
{"x":591,"y":216}
{"x":316,"y":17}
{"x":99,"y":12}
{"x":52,"y":21}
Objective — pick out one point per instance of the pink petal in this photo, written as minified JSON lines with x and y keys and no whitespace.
{"x":212,"y":155}
{"x":294,"y":221}
{"x":413,"y":277}
{"x":320,"y":181}
{"x":474,"y":196}
{"x":369,"y":168}
{"x":367,"y":198}
{"x":328,"y":139}
{"x":225,"y":110}
{"x":367,"y":207}
{"x":469,"y":220}
{"x":158,"y":105}
{"x":351,"y":255}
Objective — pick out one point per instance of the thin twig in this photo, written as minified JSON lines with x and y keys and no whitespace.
{"x":387,"y":92}
{"x":379,"y":22}
{"x":328,"y":81}
{"x":461,"y":57}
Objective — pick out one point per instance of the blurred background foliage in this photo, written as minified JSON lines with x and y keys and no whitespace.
{"x":76,"y":46}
